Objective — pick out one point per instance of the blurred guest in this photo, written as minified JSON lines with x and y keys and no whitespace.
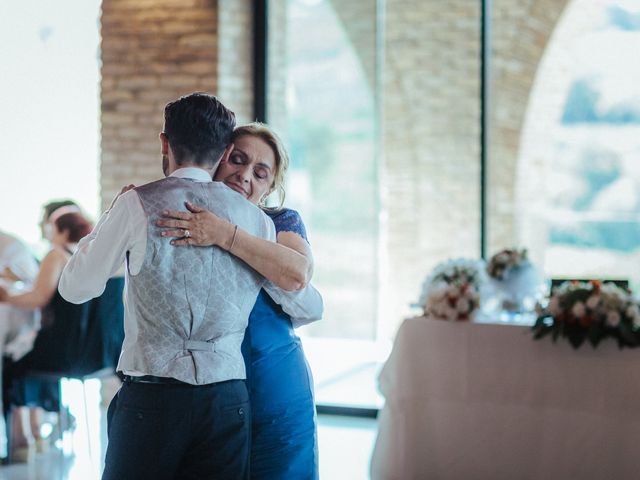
{"x":46,"y":223}
{"x":64,"y":226}
{"x":18,"y":327}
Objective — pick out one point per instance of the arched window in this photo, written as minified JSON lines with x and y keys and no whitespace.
{"x":578,"y":181}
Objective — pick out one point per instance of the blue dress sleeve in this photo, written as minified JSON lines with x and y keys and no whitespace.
{"x":287,"y":220}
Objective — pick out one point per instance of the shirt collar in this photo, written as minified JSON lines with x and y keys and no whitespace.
{"x":192,"y":173}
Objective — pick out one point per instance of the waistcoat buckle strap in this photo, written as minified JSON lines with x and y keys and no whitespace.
{"x":197,"y":345}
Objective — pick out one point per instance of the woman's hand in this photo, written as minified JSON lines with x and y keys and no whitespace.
{"x":126,"y":188}
{"x":198,"y":227}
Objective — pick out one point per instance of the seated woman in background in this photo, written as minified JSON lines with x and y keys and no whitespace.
{"x":64,"y":227}
{"x":284,"y":439}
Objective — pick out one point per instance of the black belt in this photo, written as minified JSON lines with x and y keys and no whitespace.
{"x":153,"y":379}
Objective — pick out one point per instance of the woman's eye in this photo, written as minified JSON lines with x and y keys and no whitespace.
{"x":261,"y":174}
{"x":237,"y":159}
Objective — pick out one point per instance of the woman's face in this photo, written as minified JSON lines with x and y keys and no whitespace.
{"x":46,"y":228}
{"x":250,"y":168}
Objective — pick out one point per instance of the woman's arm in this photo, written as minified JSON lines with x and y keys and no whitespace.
{"x":44,"y":287}
{"x":288,"y":263}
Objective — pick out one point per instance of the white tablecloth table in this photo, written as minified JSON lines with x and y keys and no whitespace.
{"x":484,"y":401}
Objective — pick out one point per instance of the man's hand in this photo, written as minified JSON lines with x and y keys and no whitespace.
{"x":198,"y":227}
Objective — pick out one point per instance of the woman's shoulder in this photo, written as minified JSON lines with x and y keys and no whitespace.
{"x":55,"y":254}
{"x":287,"y":220}
{"x":282,"y":213}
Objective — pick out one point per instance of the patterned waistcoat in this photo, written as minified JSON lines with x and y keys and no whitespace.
{"x":191,"y":304}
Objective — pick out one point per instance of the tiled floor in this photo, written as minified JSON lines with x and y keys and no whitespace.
{"x":345,"y":372}
{"x":345,"y":445}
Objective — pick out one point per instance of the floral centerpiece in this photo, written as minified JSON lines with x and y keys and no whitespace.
{"x":452,"y":290}
{"x":515,"y":285}
{"x":590,"y":311}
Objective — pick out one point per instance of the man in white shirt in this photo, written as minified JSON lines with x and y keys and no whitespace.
{"x":183,"y":410}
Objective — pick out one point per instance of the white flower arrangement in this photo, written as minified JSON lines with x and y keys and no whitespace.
{"x":505,"y":260}
{"x":514,"y":283}
{"x":452,"y":290}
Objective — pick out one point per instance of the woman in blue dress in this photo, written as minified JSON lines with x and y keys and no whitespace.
{"x":284,"y":434}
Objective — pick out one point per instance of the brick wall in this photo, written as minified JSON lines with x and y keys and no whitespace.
{"x":430,"y":128}
{"x":235,"y":57}
{"x":152,"y":52}
{"x":520,"y":34}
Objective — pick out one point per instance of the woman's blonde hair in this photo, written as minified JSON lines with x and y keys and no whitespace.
{"x":266,"y":134}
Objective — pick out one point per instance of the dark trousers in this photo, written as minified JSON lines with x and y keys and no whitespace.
{"x":179,"y":431}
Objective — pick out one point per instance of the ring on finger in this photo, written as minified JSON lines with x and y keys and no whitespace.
{"x":187,"y":233}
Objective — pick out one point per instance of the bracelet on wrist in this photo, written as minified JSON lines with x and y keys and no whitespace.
{"x":233,"y":238}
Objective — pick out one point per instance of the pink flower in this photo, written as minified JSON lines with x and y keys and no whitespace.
{"x":578,"y":310}
{"x":613,"y":318}
{"x":593,"y":301}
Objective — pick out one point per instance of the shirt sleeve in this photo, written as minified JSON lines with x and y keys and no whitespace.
{"x":101,"y":220}
{"x":101,"y":253}
{"x":303,"y":306}
{"x":268,"y":229}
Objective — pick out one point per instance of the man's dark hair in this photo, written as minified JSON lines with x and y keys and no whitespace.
{"x":51,"y":207}
{"x":198,"y":127}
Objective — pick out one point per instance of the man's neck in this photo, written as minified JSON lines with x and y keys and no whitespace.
{"x":209,"y":169}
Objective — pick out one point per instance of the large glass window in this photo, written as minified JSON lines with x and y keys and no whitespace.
{"x":322,"y":101}
{"x":49,"y":121}
{"x":380,"y":104}
{"x":565,"y":137}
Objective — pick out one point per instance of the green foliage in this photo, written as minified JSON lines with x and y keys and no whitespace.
{"x":342,"y":171}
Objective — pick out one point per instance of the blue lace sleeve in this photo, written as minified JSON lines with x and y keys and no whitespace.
{"x":287,"y":220}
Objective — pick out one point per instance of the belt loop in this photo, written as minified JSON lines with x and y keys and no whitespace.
{"x":199,"y":346}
